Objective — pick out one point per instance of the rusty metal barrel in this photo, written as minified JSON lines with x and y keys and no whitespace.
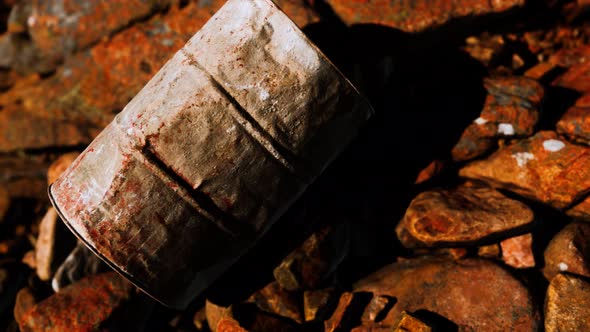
{"x":210,"y":153}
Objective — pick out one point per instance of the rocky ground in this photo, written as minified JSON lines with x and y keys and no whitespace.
{"x":463,"y":206}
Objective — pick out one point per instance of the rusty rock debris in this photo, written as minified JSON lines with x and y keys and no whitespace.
{"x":544,"y":167}
{"x":79,"y":307}
{"x":510,"y":110}
{"x":262,"y":112}
{"x":464,"y":292}
{"x":568,"y":251}
{"x":567,"y":305}
{"x":464,"y":215}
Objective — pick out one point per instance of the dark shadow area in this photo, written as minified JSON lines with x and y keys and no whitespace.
{"x":436,"y":321}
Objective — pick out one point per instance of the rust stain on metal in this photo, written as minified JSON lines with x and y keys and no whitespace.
{"x":211,"y":152}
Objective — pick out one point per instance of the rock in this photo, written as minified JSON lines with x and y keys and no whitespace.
{"x":228,"y":324}
{"x":25,"y":300}
{"x":415,"y":15}
{"x":464,"y":292}
{"x":319,"y":255}
{"x":60,"y":165}
{"x":467,"y":214}
{"x":581,"y":210}
{"x":83,"y":306}
{"x":510,"y":110}
{"x":489,"y":251}
{"x":568,"y":251}
{"x":24,"y":176}
{"x":316,"y":303}
{"x":57,"y":29}
{"x":408,"y":322}
{"x":275,"y":300}
{"x":29,"y":259}
{"x":80,"y":263}
{"x":244,"y":317}
{"x":4,"y":203}
{"x":567,"y":304}
{"x":337,"y":320}
{"x":518,"y":251}
{"x":432,"y":170}
{"x":544,"y":167}
{"x":577,"y":78}
{"x":575,"y":123}
{"x":53,"y":244}
{"x":215,"y":313}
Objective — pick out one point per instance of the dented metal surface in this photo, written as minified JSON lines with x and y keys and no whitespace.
{"x":211,"y":152}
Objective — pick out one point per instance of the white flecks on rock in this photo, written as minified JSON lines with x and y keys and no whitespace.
{"x":522,"y":158}
{"x":263,"y":94}
{"x":480,"y":121}
{"x":562,"y":266}
{"x":505,"y":129}
{"x":553,"y":145}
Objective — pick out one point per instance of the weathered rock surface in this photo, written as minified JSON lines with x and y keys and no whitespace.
{"x":518,"y":251}
{"x":83,"y":306}
{"x":510,"y":110}
{"x":466,"y":214}
{"x":53,"y":244}
{"x":567,"y":305}
{"x":56,"y":29}
{"x":569,"y":251}
{"x":544,"y":167}
{"x":575,"y":123}
{"x":25,"y":300}
{"x":316,"y":303}
{"x":275,"y":300}
{"x":464,"y":292}
{"x":415,"y":15}
{"x":319,"y":255}
{"x":581,"y":210}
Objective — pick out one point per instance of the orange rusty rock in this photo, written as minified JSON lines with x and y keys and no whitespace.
{"x":410,"y":323}
{"x":80,"y":307}
{"x":567,"y":304}
{"x":25,"y":300}
{"x":575,"y":123}
{"x":335,"y":322}
{"x":463,"y":215}
{"x":568,"y":251}
{"x":317,"y":257}
{"x":581,"y":210}
{"x":544,"y":167}
{"x":539,"y":71}
{"x":60,"y":28}
{"x":60,"y":165}
{"x":432,"y":170}
{"x":415,"y":15}
{"x":228,"y":324}
{"x":275,"y":300}
{"x":24,"y":175}
{"x":215,"y":313}
{"x":568,"y":57}
{"x":316,"y":303}
{"x":577,"y":77}
{"x":465,"y":292}
{"x":510,"y":110}
{"x":489,"y":251}
{"x":518,"y":251}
